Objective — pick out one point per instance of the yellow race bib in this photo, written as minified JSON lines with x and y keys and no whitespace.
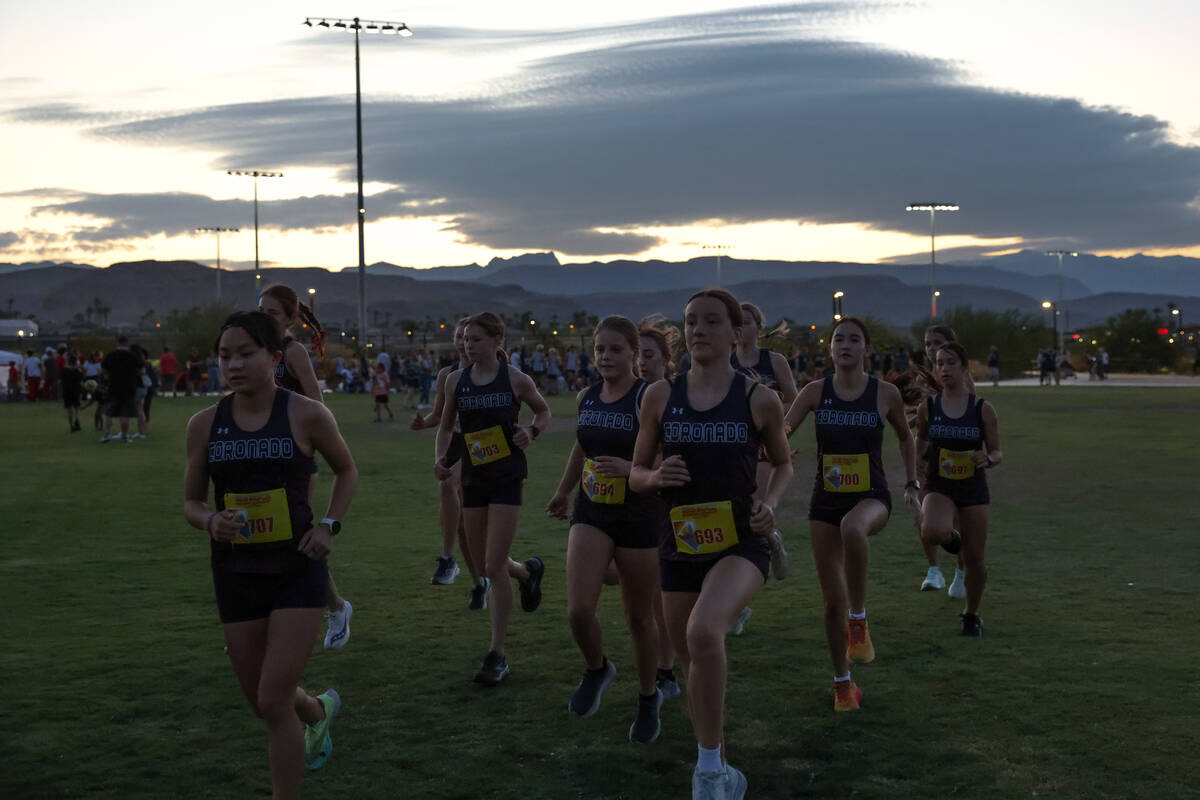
{"x":601,"y":488}
{"x":704,"y":528}
{"x":846,"y":473}
{"x":487,"y":445}
{"x":267,"y":516}
{"x":957,"y":465}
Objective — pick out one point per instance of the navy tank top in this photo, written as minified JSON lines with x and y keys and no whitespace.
{"x":284,"y":378}
{"x":720,"y":449}
{"x":264,"y":473}
{"x":951,"y":442}
{"x":609,"y":429}
{"x":488,"y":415}
{"x":762,"y":370}
{"x":849,"y":446}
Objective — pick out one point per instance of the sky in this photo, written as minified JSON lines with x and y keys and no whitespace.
{"x":658,"y":129}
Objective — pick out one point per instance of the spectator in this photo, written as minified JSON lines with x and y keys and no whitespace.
{"x":123,"y":369}
{"x":993,"y":362}
{"x":14,"y":382}
{"x":49,"y":375}
{"x":33,"y":374}
{"x":195,"y":373}
{"x":428,"y":364}
{"x":60,"y":363}
{"x":71,"y":379}
{"x":386,"y":360}
{"x":214,"y":372}
{"x":168,"y":364}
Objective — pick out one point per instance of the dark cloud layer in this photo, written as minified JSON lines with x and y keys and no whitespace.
{"x":733,"y":116}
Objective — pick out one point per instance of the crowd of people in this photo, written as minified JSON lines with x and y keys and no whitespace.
{"x":670,"y":489}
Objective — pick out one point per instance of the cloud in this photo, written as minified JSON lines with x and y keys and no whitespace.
{"x":8,"y":239}
{"x":741,"y":116}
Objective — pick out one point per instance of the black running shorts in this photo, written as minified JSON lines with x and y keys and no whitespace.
{"x":504,"y":494}
{"x":687,"y":575}
{"x":639,"y":534}
{"x":245,"y":596}
{"x":832,"y":512}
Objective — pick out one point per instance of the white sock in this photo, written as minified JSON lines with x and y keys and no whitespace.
{"x":858,"y":615}
{"x":842,"y":679}
{"x":709,"y":760}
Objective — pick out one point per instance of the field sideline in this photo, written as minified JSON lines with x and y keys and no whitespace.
{"x":1083,"y":685}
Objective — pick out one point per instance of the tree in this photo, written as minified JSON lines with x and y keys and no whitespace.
{"x":196,"y":328}
{"x":1017,"y":337}
{"x":1133,"y":341}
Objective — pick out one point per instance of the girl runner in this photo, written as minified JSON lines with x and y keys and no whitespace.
{"x":487,"y":397}
{"x":295,"y":373}
{"x":709,"y":424}
{"x":451,"y":490}
{"x":380,"y":383}
{"x":961,"y":438}
{"x":268,"y":559}
{"x":850,"y":499}
{"x":611,"y":522}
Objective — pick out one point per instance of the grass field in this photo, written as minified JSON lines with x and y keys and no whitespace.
{"x":1084,"y":684}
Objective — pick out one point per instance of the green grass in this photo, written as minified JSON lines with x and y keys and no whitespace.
{"x":1084,"y":683}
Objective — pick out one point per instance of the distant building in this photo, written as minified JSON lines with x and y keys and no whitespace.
{"x":18,"y":327}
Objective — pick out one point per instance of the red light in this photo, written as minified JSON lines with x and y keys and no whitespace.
{"x":1075,"y":336}
{"x":1162,"y":331}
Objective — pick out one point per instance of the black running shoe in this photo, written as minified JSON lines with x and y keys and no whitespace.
{"x":479,"y":593}
{"x":531,"y":587}
{"x":668,"y":684}
{"x":647,"y":725}
{"x":972,"y":625}
{"x":494,"y":669}
{"x":585,"y":700}
{"x":955,"y":543}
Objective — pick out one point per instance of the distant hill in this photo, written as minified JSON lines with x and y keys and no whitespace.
{"x":28,"y":265}
{"x":1161,"y":274}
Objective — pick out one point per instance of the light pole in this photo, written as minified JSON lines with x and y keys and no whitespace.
{"x":932,"y":208}
{"x":256,"y":174}
{"x":1059,"y":304}
{"x":1176,"y":318}
{"x":1051,"y":306}
{"x":370,"y":26}
{"x":312,"y":300}
{"x":837,"y":305}
{"x":720,"y":248}
{"x":218,"y":232}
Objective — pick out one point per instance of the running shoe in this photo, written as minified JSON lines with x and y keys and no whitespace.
{"x":934,"y":579}
{"x":972,"y":625}
{"x":859,"y":647}
{"x":955,"y":543}
{"x":494,"y":669}
{"x":647,"y":725}
{"x":585,"y":700}
{"x":531,"y":587}
{"x":779,"y":555}
{"x":318,"y":744}
{"x":447,"y":571}
{"x":958,"y":587}
{"x":739,"y":622}
{"x":106,"y":438}
{"x":846,"y":696}
{"x":479,"y":593}
{"x":138,"y":436}
{"x":726,"y":784}
{"x":667,"y":684}
{"x":338,"y":631}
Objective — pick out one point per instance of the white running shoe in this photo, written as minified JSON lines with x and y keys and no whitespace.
{"x":958,"y":589}
{"x":739,"y":622}
{"x":934,"y":579}
{"x":338,"y":632}
{"x":726,"y":784}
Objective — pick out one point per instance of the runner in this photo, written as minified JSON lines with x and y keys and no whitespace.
{"x":611,"y":522}
{"x":72,"y":386}
{"x":961,"y":437}
{"x":295,"y":373}
{"x":710,"y":423}
{"x":487,"y":401}
{"x":379,"y":389}
{"x":850,"y":499}
{"x":268,"y":559}
{"x":451,"y":490}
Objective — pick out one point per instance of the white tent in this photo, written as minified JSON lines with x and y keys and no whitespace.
{"x":5,"y":357}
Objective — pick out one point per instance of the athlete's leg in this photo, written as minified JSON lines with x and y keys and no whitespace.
{"x":975,"y":532}
{"x":937,"y":519}
{"x":866,"y":519}
{"x":588,"y":552}
{"x":666,"y":650}
{"x":501,"y":527}
{"x":639,"y":587}
{"x":829,"y":557}
{"x":290,"y":634}
{"x":677,"y":610}
{"x":451,"y":495}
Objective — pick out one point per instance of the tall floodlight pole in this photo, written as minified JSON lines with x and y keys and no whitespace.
{"x":720,"y":248}
{"x":370,"y":26}
{"x":932,"y":208}
{"x":256,"y":174}
{"x":218,"y":232}
{"x":1058,"y":307}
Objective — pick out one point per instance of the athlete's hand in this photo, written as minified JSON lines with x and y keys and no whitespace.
{"x":613,"y":467}
{"x":418,"y":422}
{"x":980,"y":457}
{"x":441,"y":471}
{"x":225,"y":525}
{"x":557,"y":507}
{"x":673,"y":472}
{"x":762,"y":518}
{"x":914,"y":501}
{"x":522,"y":437}
{"x":317,"y":543}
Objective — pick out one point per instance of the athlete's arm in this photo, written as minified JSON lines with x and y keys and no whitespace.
{"x":805,"y":403}
{"x":991,"y":438}
{"x":557,"y":507}
{"x":526,"y":391}
{"x":644,"y":476}
{"x":419,"y":422}
{"x":920,"y":429}
{"x":221,"y":525}
{"x":300,"y":366}
{"x":784,"y":379}
{"x":316,"y":427}
{"x":767,"y":412}
{"x":446,"y":429}
{"x":889,"y":398}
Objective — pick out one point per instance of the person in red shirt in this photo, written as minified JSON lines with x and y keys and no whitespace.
{"x":14,"y":381}
{"x":167,"y":365}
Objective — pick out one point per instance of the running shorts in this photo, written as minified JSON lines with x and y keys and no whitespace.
{"x":245,"y":596}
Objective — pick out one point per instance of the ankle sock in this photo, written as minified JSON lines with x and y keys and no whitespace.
{"x":858,"y":615}
{"x":842,"y":679}
{"x":709,"y":760}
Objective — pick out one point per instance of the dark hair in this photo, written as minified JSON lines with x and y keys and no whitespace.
{"x":959,"y":351}
{"x":732,"y":307}
{"x":622,"y":325}
{"x":862,"y":326}
{"x":257,"y":325}
{"x":945,"y":331}
{"x":754,"y":311}
{"x":122,"y":340}
{"x":492,"y":324}
{"x":295,"y":309}
{"x":665,"y":336}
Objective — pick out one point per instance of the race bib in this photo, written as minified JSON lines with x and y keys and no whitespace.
{"x":704,"y":528}
{"x":846,"y":473}
{"x":957,"y":465}
{"x":601,"y":488}
{"x":265,"y":515}
{"x":487,"y":445}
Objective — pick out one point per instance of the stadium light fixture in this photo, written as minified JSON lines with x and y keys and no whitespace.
{"x":256,"y":174}
{"x":376,"y":26}
{"x":932,"y":208}
{"x":1059,"y":305}
{"x":218,"y":232}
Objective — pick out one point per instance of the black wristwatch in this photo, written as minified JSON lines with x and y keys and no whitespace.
{"x":533,"y":431}
{"x":913,"y":484}
{"x":334,"y":526}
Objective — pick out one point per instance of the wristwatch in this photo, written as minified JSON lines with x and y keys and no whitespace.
{"x":534,"y":431}
{"x":913,"y":484}
{"x":334,"y":526}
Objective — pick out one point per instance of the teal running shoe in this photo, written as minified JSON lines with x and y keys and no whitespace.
{"x":318,"y":744}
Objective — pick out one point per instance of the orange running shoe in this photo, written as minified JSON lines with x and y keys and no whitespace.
{"x":846,"y":696}
{"x":858,"y":638}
